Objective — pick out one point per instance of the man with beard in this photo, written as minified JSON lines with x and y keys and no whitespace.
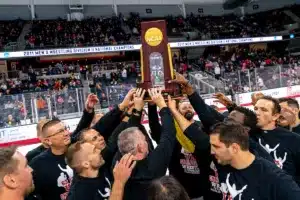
{"x":280,"y":143}
{"x":184,"y":163}
{"x":293,"y":106}
{"x":52,"y":176}
{"x":87,"y":161}
{"x":209,"y":117}
{"x":15,"y":174}
{"x":238,"y":173}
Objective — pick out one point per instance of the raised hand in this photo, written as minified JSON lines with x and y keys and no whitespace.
{"x":128,"y":98}
{"x":123,"y":169}
{"x":90,"y":103}
{"x":171,"y":103}
{"x":222,"y":99}
{"x":157,"y":97}
{"x":179,"y":79}
{"x":139,"y":99}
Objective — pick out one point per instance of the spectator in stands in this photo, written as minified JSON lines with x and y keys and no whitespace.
{"x":10,"y":121}
{"x":16,"y":175}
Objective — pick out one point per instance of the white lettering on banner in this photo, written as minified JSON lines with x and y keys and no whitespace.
{"x":128,"y":47}
{"x":245,"y":98}
{"x":28,"y":132}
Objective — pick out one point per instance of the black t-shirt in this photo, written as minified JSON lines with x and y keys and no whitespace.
{"x":262,"y":180}
{"x":296,"y":129}
{"x":35,"y":152}
{"x":185,"y":167}
{"x":98,"y":188}
{"x":284,"y":147}
{"x":51,"y":175}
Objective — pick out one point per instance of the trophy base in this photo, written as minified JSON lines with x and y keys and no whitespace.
{"x":171,"y":89}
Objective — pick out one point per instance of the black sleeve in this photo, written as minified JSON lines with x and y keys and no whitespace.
{"x":112,"y":145}
{"x":207,"y":115}
{"x":283,"y":187}
{"x":159,"y":158}
{"x":36,"y":177}
{"x":134,"y":121}
{"x":106,"y":125}
{"x":84,"y":122}
{"x":154,"y":125}
{"x":199,"y":138}
{"x":231,"y":108}
{"x":31,"y":154}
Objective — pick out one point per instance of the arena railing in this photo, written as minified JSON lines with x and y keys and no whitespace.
{"x":263,"y":78}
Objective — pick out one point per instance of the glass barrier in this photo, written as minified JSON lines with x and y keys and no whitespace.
{"x":28,"y":108}
{"x":263,"y":78}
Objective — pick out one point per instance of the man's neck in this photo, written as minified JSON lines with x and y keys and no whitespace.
{"x":269,"y":127}
{"x":5,"y":195}
{"x":58,"y":151}
{"x":89,"y":173}
{"x":243,"y":160}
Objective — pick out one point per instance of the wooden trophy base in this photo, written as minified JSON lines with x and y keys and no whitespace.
{"x":172,"y":89}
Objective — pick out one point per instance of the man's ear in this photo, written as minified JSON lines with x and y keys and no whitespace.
{"x":10,"y":181}
{"x":275,"y":117}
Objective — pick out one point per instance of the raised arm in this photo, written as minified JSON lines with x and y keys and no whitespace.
{"x":112,"y":119}
{"x":192,"y":130}
{"x":159,"y":159}
{"x":206,"y":114}
{"x":154,"y":125}
{"x":87,"y":117}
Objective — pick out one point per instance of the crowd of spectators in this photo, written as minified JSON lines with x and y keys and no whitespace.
{"x":10,"y":31}
{"x":88,"y":32}
{"x":247,"y":70}
{"x":109,"y":31}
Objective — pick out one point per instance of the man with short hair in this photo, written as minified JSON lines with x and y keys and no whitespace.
{"x":52,"y":175}
{"x":235,"y":171}
{"x":280,"y":143}
{"x":293,"y":106}
{"x":107,"y":147}
{"x":84,"y":122}
{"x":150,"y":165}
{"x":38,"y":150}
{"x":184,"y":162}
{"x":15,"y":174}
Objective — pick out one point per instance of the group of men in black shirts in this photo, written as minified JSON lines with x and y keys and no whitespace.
{"x":243,"y":156}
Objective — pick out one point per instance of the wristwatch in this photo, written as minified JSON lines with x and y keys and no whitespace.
{"x":137,"y":112}
{"x":127,"y":114}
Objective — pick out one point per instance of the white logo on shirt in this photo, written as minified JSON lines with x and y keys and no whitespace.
{"x":280,"y":161}
{"x":267,"y":147}
{"x":64,"y":181}
{"x":214,"y":179}
{"x":189,"y":163}
{"x":107,"y":190}
{"x":233,"y":191}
